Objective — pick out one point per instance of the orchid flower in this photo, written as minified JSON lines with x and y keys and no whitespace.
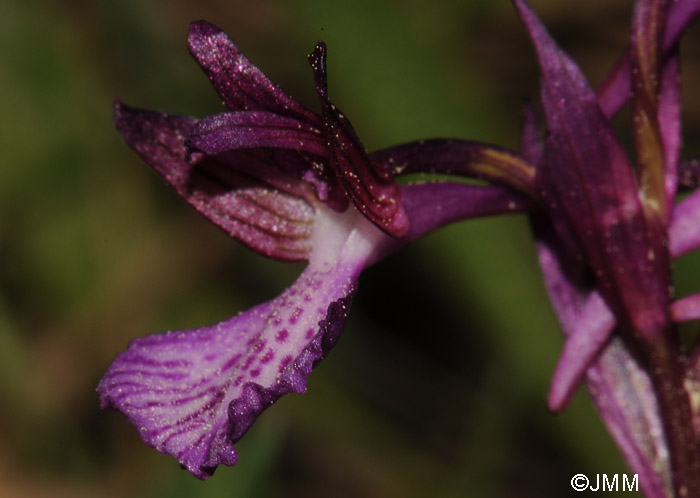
{"x":296,"y":185}
{"x":292,"y":185}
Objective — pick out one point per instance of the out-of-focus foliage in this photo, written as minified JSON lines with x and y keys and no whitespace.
{"x":437,"y":386}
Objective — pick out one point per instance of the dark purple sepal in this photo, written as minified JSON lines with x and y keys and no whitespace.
{"x":585,"y":179}
{"x":368,"y":182}
{"x":268,"y":220}
{"x":240,"y":84}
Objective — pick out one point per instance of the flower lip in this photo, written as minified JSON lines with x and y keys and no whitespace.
{"x":192,"y":394}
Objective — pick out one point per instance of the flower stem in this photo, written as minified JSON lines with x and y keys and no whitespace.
{"x":668,"y":373}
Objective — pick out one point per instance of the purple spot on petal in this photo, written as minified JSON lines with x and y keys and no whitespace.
{"x":309,"y":333}
{"x":248,"y":362}
{"x":238,"y":381}
{"x":285,"y":361}
{"x":295,"y":315}
{"x":255,"y":372}
{"x":282,"y":335}
{"x":231,"y":363}
{"x":269,"y":354}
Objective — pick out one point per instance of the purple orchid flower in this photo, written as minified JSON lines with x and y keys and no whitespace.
{"x":296,"y":186}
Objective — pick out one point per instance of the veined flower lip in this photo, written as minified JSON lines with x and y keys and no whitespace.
{"x":194,"y":393}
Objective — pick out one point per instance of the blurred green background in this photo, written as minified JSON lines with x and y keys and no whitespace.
{"x":437,"y":386}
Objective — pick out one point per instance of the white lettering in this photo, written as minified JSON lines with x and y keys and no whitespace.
{"x":609,"y":483}
{"x":629,"y":484}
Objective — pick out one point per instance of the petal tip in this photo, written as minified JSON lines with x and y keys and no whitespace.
{"x":317,"y":60}
{"x":202,"y":28}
